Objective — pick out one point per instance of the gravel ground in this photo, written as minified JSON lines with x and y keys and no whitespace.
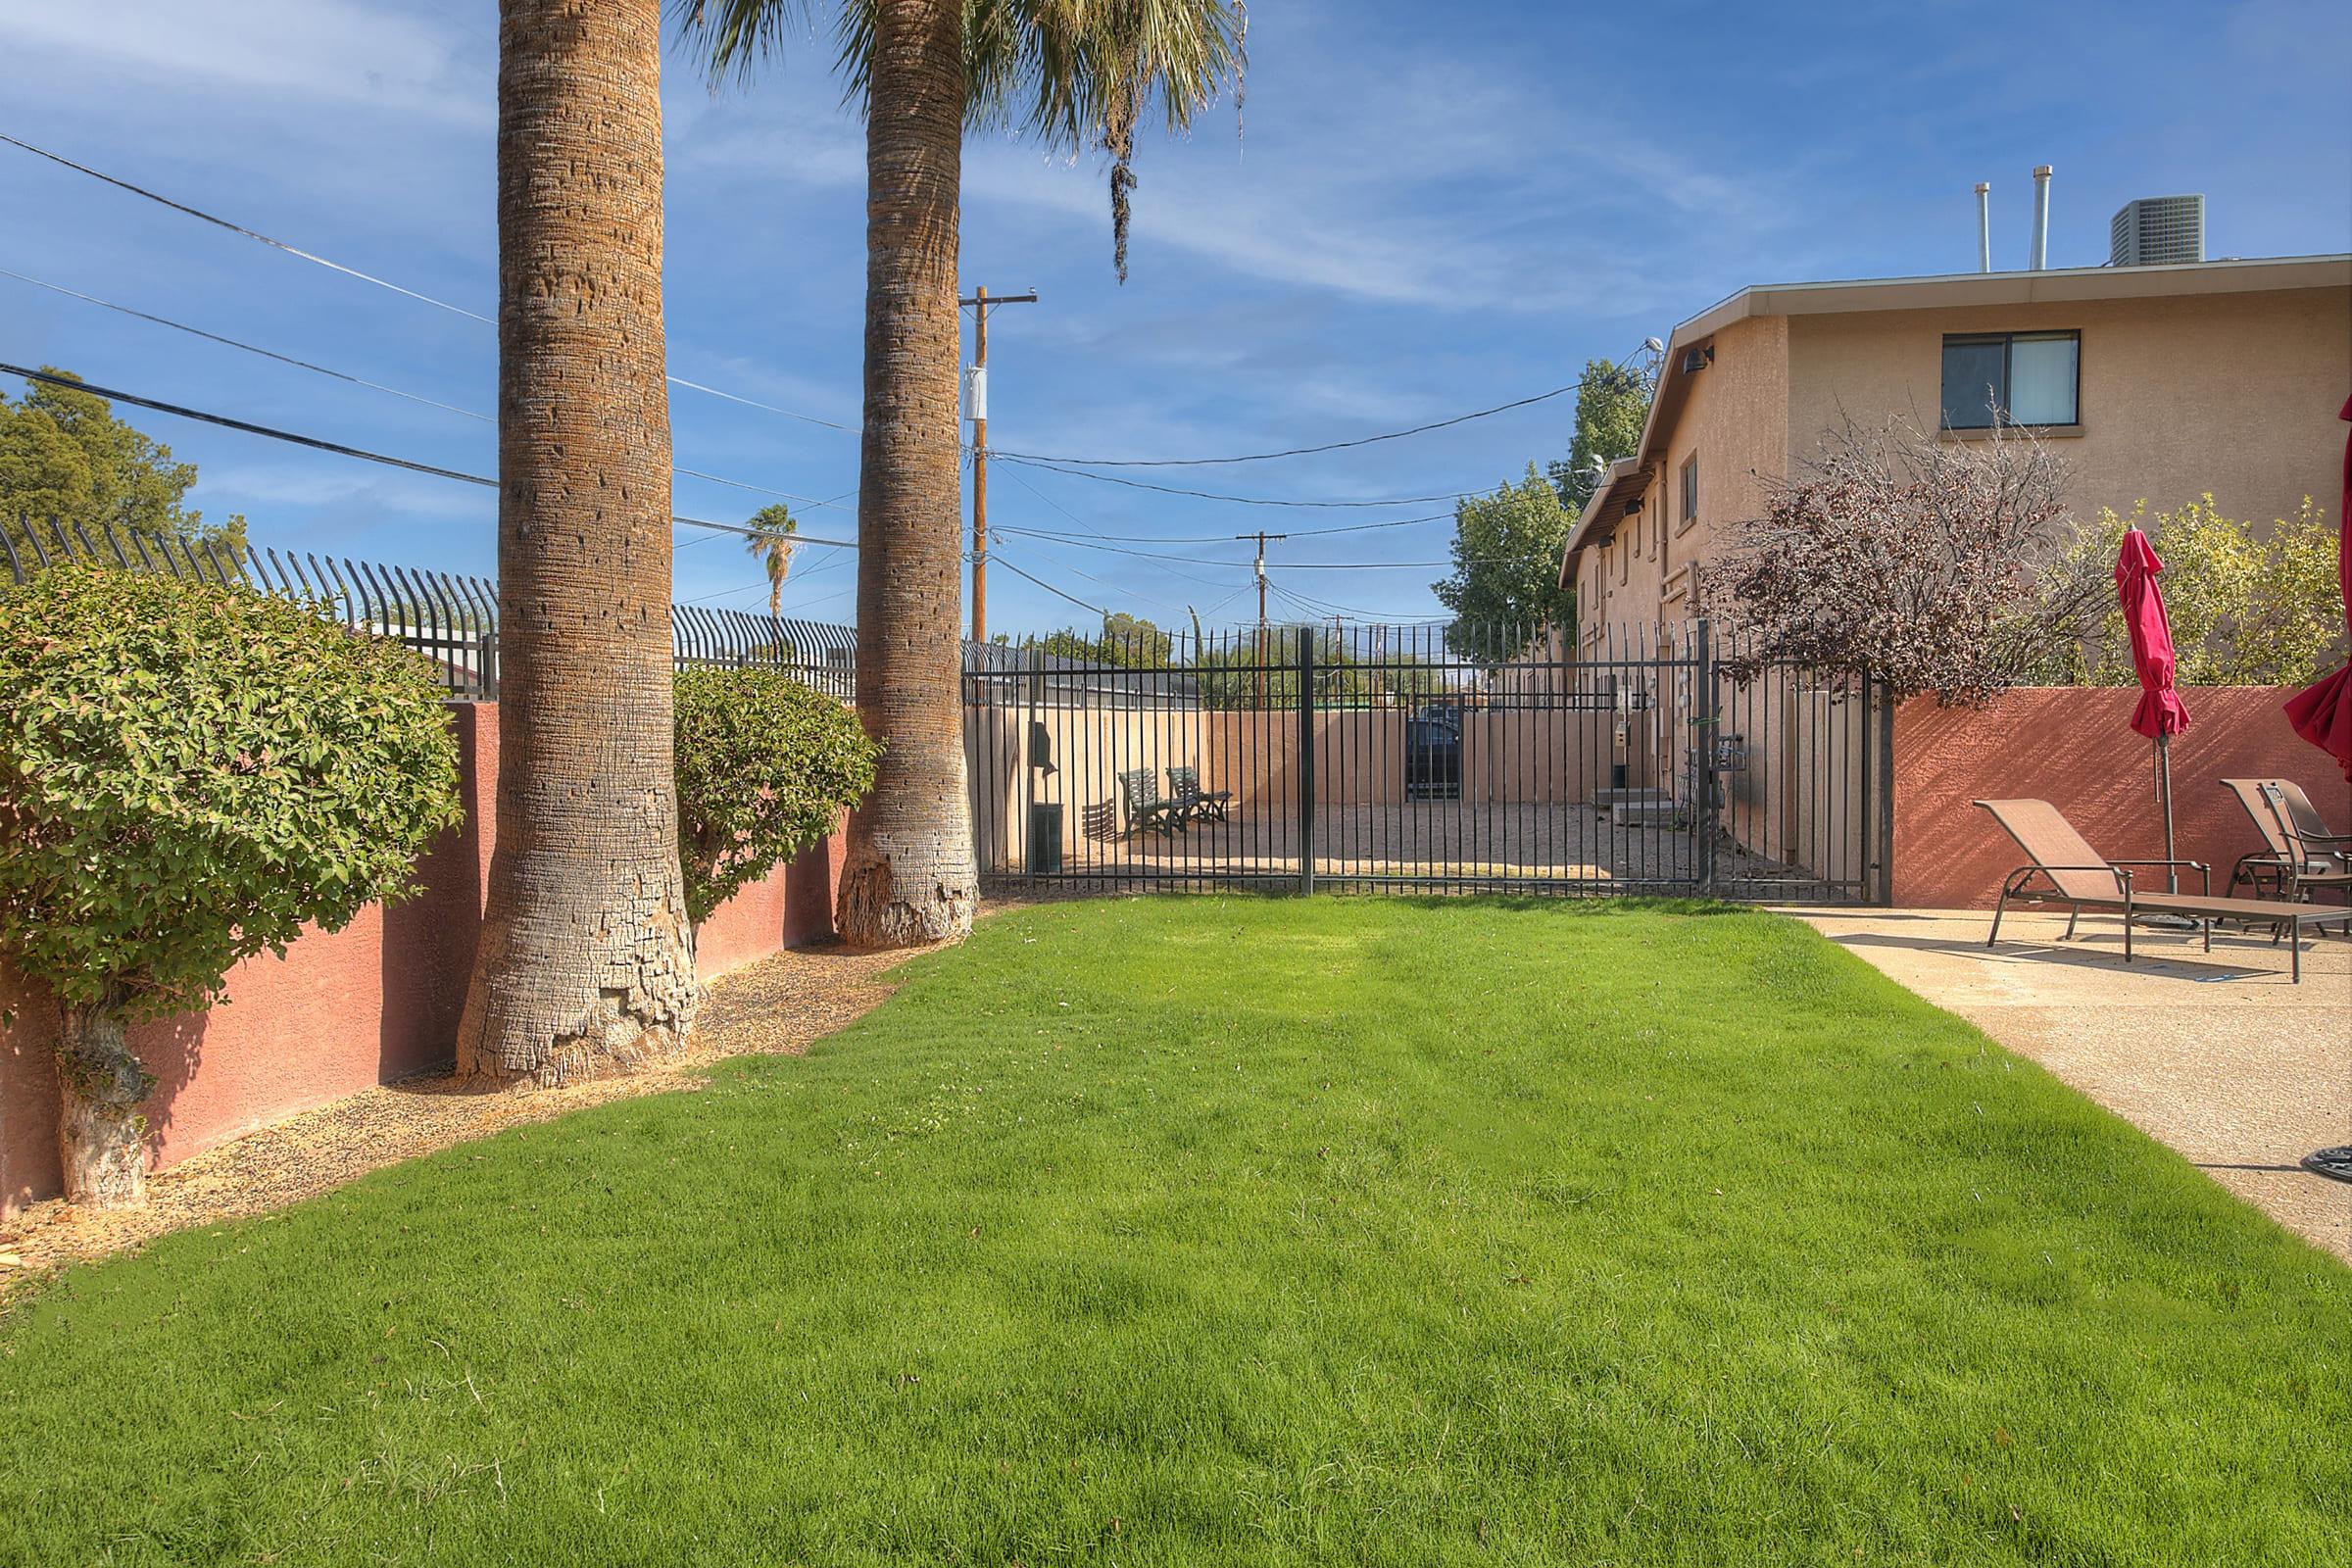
{"x":779,"y":1005}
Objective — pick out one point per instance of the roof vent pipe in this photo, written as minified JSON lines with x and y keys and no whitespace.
{"x":2041,"y":216}
{"x":1984,"y":227}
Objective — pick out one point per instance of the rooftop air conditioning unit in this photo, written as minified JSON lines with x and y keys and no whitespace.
{"x":2157,"y":232}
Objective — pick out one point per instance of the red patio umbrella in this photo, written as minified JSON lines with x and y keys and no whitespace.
{"x":2322,"y":712}
{"x":2161,"y":714}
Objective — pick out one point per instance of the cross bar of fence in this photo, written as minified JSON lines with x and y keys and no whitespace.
{"x":450,"y":617}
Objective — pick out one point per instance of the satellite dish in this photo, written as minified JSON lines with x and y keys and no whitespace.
{"x":1653,"y":346}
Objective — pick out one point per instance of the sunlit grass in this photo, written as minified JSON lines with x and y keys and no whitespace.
{"x":1241,"y":1230}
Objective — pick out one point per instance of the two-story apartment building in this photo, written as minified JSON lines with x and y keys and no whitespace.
{"x":2162,"y":382}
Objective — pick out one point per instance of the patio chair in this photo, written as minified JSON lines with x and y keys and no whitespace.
{"x":1196,"y":803}
{"x":2080,"y":878}
{"x":1147,"y":810}
{"x":2298,"y":853}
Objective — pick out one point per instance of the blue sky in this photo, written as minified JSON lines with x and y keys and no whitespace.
{"x":1434,"y":209}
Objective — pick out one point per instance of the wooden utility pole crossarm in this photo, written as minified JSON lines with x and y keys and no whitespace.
{"x":981,"y":305}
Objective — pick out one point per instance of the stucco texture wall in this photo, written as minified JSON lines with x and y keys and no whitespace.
{"x":2074,"y":746}
{"x":1733,"y":416}
{"x":377,"y":1001}
{"x":2235,"y":394}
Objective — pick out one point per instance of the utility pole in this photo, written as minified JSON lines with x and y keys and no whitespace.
{"x":1261,"y":538}
{"x":981,"y":305}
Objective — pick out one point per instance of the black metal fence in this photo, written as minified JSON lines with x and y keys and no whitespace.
{"x":1652,"y":760}
{"x":450,"y":618}
{"x":1430,"y":757}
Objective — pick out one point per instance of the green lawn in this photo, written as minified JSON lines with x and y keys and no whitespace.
{"x":1236,"y":1231}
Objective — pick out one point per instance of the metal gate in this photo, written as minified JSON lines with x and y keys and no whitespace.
{"x":1427,"y":758}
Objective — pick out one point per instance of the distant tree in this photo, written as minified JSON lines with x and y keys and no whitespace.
{"x":772,"y":527}
{"x":1931,"y":565}
{"x":1612,"y":401}
{"x":1506,"y":564}
{"x":64,"y":456}
{"x":1261,"y":671}
{"x":1127,"y":640}
{"x":2249,"y":605}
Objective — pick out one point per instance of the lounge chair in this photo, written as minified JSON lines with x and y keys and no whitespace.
{"x":2298,"y":853}
{"x":1196,"y":803}
{"x":2080,"y":878}
{"x":1147,"y":811}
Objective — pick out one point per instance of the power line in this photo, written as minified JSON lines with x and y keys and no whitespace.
{"x":1211,"y":560}
{"x":1302,"y":451}
{"x":250,"y":348}
{"x":1036,"y":459}
{"x":755,"y":403}
{"x":1050,"y":588}
{"x":1214,"y":495}
{"x":361,"y":381}
{"x":239,"y":229}
{"x":369,"y":277}
{"x":1219,"y":538}
{"x":317,"y":444}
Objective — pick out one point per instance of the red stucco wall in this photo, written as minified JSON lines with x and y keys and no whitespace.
{"x":377,"y":1001}
{"x":794,"y":903}
{"x":2074,"y":746}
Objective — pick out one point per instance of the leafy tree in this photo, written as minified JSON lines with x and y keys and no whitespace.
{"x":195,"y":772}
{"x":1129,"y":641}
{"x":1612,"y":401}
{"x":1261,"y":671}
{"x":64,"y":457}
{"x":1931,"y":565}
{"x":1507,"y":563}
{"x":1074,"y":75}
{"x":2248,"y":605}
{"x":772,"y":527}
{"x":766,"y":767}
{"x":584,"y":962}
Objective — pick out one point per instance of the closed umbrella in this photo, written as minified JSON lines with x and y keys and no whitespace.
{"x":2322,"y":712}
{"x":2161,"y":714}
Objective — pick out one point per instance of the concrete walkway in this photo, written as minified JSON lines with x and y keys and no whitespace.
{"x":2215,"y":1054}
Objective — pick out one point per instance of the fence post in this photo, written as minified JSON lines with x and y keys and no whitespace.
{"x":1705,"y":818}
{"x":1034,"y":694}
{"x":1883,"y":823}
{"x":1306,"y":761}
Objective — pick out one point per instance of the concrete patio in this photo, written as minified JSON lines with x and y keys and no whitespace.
{"x":2215,"y":1054}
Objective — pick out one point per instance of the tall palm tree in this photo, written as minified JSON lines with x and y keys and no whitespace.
{"x":1074,"y":73}
{"x":584,"y":960}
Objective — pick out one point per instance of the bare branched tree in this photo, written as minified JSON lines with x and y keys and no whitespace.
{"x":1931,"y":566}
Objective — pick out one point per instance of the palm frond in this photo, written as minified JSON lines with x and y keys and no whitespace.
{"x":1075,"y":75}
{"x":733,"y":37}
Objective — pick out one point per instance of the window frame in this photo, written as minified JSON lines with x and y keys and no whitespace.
{"x":1686,"y":492}
{"x":2008,"y":343}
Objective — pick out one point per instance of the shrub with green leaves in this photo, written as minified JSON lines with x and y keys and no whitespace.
{"x":191,"y":772}
{"x":765,"y":767}
{"x":2250,"y":604}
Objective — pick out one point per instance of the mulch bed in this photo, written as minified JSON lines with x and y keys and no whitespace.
{"x":778,"y":1005}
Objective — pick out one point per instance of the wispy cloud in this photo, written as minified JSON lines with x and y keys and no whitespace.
{"x":313,"y":51}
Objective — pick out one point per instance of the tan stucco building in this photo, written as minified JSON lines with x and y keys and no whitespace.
{"x":2163,"y":383}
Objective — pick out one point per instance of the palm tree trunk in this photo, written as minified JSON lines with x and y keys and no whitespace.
{"x":910,"y":876}
{"x":101,"y":1131}
{"x":584,"y":959}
